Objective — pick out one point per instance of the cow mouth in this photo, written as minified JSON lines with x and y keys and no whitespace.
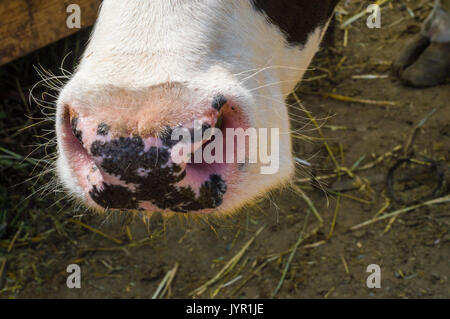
{"x":185,"y":187}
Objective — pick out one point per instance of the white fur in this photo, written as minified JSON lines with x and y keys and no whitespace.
{"x":208,"y":46}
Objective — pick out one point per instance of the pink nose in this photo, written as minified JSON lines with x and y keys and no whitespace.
{"x":138,"y":172}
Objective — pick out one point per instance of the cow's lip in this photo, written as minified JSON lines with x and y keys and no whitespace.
{"x":83,"y":164}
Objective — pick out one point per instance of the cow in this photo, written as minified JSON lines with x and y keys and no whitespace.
{"x":153,"y":67}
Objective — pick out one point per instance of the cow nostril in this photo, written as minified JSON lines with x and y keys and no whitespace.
{"x":76,"y":132}
{"x":72,"y":121}
{"x":218,"y":102}
{"x":219,"y":122}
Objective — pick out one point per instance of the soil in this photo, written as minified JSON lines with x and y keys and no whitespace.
{"x":413,"y":253}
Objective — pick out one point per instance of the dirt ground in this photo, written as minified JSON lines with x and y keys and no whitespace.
{"x":412,"y":249}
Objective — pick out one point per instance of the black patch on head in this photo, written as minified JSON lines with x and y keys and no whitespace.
{"x":153,"y":176}
{"x":103,"y":129}
{"x":218,"y":102}
{"x":75,"y":131}
{"x":297,"y":18}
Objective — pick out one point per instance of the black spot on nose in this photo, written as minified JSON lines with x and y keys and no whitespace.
{"x":166,"y":137}
{"x":218,"y":102}
{"x":125,"y":156}
{"x":212,"y":191}
{"x":153,"y":176}
{"x":103,"y":129}
{"x":113,"y":196}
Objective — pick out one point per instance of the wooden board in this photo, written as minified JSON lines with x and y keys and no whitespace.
{"x":27,"y":25}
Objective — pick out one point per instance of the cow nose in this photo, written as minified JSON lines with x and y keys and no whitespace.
{"x":138,"y":172}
